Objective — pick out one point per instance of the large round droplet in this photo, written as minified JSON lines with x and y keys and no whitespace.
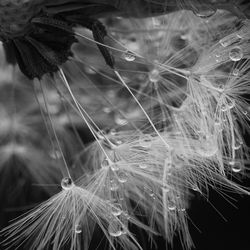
{"x":115,"y":228}
{"x":67,"y":183}
{"x":78,"y":228}
{"x":129,"y":56}
{"x":171,"y":206}
{"x":236,"y":54}
{"x":116,"y":209}
{"x":204,"y":11}
{"x":122,"y":177}
{"x":236,"y":72}
{"x":236,"y":166}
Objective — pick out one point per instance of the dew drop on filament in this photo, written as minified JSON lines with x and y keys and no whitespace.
{"x":116,"y":209}
{"x":204,"y":12}
{"x":235,"y":166}
{"x":129,"y":56}
{"x":122,"y":177}
{"x":78,"y":229}
{"x":114,"y":228}
{"x":236,"y":54}
{"x":67,"y":183}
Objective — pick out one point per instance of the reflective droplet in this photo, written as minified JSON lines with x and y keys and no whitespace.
{"x":235,"y":166}
{"x":237,"y":146}
{"x":67,"y":183}
{"x":106,"y":163}
{"x":208,"y":146}
{"x":143,"y":166}
{"x":236,"y":54}
{"x":204,"y":12}
{"x":122,"y":177}
{"x":154,"y":75}
{"x":78,"y":229}
{"x":114,"y":186}
{"x":129,"y":56}
{"x":230,"y":103}
{"x":228,"y":40}
{"x":114,"y":167}
{"x":195,"y":188}
{"x":235,"y":72}
{"x":182,"y":209}
{"x":171,"y":206}
{"x":223,"y":107}
{"x":116,"y":209}
{"x":115,"y":229}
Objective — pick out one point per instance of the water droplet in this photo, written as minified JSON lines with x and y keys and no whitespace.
{"x":171,"y":206}
{"x":223,"y":107}
{"x":236,"y":54}
{"x":114,"y":167}
{"x":143,"y":166}
{"x":67,"y":183}
{"x":78,"y":229}
{"x":122,"y":177}
{"x":195,"y":188}
{"x":237,"y":146}
{"x":235,"y":72}
{"x":116,"y":209}
{"x":114,"y":228}
{"x":129,"y":56}
{"x":230,"y":103}
{"x":114,"y":186}
{"x":208,"y":146}
{"x":204,"y":12}
{"x":182,"y":209}
{"x":106,"y":163}
{"x":229,"y":40}
{"x":236,"y":166}
{"x":154,"y":75}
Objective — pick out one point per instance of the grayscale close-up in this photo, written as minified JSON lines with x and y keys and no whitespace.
{"x":124,"y":124}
